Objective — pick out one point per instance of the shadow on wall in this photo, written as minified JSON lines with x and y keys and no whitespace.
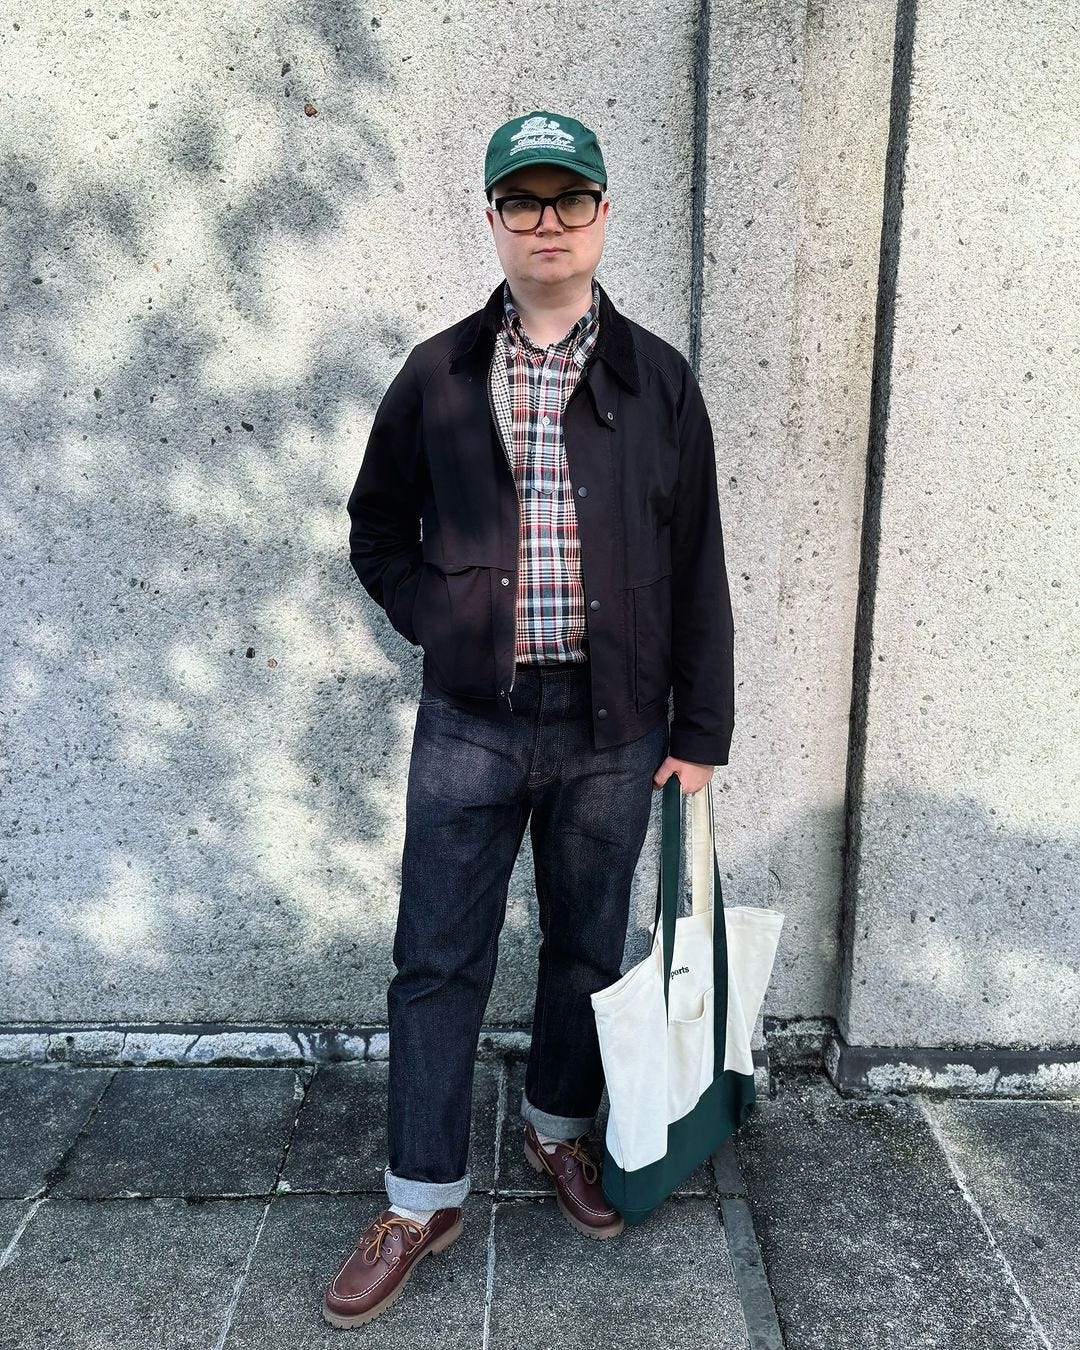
{"x":199,"y":709}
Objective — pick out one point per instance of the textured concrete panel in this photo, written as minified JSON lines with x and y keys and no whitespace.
{"x":964,"y":927}
{"x":798,"y":118}
{"x":222,"y":232}
{"x":755,"y":79}
{"x":846,"y":73}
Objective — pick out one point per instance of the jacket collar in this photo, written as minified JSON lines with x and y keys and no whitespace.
{"x":614,"y":342}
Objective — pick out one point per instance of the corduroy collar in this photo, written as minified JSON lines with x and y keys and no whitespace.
{"x":614,"y":342}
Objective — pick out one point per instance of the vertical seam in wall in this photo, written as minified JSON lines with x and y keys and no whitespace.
{"x":699,"y":176}
{"x":870,"y":548}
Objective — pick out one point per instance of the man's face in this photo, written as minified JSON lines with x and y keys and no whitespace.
{"x":550,"y":254}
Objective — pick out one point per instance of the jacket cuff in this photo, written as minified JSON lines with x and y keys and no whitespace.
{"x":698,"y":747}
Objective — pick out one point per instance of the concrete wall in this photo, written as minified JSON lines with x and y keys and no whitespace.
{"x":962,"y":923}
{"x":206,"y":722}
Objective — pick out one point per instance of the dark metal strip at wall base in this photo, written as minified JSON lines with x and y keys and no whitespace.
{"x":958,"y":1071}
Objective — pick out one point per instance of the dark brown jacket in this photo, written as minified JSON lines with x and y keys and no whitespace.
{"x":434,"y":534}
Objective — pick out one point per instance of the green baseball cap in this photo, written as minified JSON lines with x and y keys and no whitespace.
{"x":543,"y":138}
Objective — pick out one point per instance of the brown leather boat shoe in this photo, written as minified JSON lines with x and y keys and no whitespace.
{"x":375,"y":1271}
{"x":577,"y":1184}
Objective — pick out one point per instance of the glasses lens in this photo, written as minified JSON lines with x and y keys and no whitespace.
{"x":521,"y":213}
{"x":576,"y":209}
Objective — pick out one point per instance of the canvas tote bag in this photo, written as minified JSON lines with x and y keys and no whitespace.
{"x":675,"y":1029}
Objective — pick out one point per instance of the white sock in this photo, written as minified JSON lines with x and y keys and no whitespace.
{"x":420,"y":1215}
{"x":548,"y":1141}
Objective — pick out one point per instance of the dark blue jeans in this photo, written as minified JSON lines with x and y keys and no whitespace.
{"x":473,"y":785}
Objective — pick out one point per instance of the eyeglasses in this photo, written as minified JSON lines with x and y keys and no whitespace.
{"x":575,"y":209}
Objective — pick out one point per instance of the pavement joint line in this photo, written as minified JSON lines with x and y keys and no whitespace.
{"x":489,"y":1282}
{"x":54,"y":1171}
{"x":940,"y":1138}
{"x":305,"y":1085}
{"x":241,"y":1280}
{"x":9,"y":1250}
{"x":500,"y":1196}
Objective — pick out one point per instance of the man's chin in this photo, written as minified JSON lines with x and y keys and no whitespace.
{"x":551,"y":270}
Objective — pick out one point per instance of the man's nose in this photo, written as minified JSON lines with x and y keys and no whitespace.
{"x":553,"y":222}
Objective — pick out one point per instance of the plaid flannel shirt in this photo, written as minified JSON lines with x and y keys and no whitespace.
{"x":529,"y":388}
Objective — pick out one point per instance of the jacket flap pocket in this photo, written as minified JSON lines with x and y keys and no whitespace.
{"x":647,"y":577}
{"x":648,"y":562}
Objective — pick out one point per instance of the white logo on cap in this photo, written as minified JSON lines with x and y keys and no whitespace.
{"x":543,"y":133}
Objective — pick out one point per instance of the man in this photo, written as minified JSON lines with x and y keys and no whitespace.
{"x":537,"y":508}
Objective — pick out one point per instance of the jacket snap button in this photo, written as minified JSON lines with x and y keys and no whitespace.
{"x":594,"y":604}
{"x":583,"y":492}
{"x":601,"y":712}
{"x":611,"y":417}
{"x":506,"y":581}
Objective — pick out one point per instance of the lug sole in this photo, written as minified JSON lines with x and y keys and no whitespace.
{"x":610,"y":1231}
{"x":440,"y":1244}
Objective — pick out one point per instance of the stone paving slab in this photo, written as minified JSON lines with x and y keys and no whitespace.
{"x":517,"y":1176}
{"x":340,"y":1140}
{"x":41,"y":1112}
{"x":185,"y":1132}
{"x":1020,"y":1161}
{"x":867,"y":1239}
{"x":302,"y":1243}
{"x":667,"y":1282}
{"x":125,"y":1274}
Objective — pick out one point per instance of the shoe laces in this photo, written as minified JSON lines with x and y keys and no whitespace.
{"x":380,"y":1229}
{"x":577,"y":1150}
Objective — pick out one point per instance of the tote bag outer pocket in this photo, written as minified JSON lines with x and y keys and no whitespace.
{"x":631,"y":1021}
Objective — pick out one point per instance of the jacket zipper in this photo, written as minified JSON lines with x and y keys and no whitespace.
{"x":517,"y":494}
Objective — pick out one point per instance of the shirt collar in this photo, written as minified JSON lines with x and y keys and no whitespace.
{"x":615,"y":344}
{"x":576,"y":340}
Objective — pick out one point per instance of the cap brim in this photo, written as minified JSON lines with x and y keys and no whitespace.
{"x":541,"y":157}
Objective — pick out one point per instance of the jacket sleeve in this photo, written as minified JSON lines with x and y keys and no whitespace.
{"x":385,"y":504}
{"x":702,"y":631}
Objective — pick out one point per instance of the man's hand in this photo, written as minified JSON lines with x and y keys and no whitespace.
{"x":691,"y":776}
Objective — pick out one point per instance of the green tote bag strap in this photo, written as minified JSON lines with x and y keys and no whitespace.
{"x":667,"y":895}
